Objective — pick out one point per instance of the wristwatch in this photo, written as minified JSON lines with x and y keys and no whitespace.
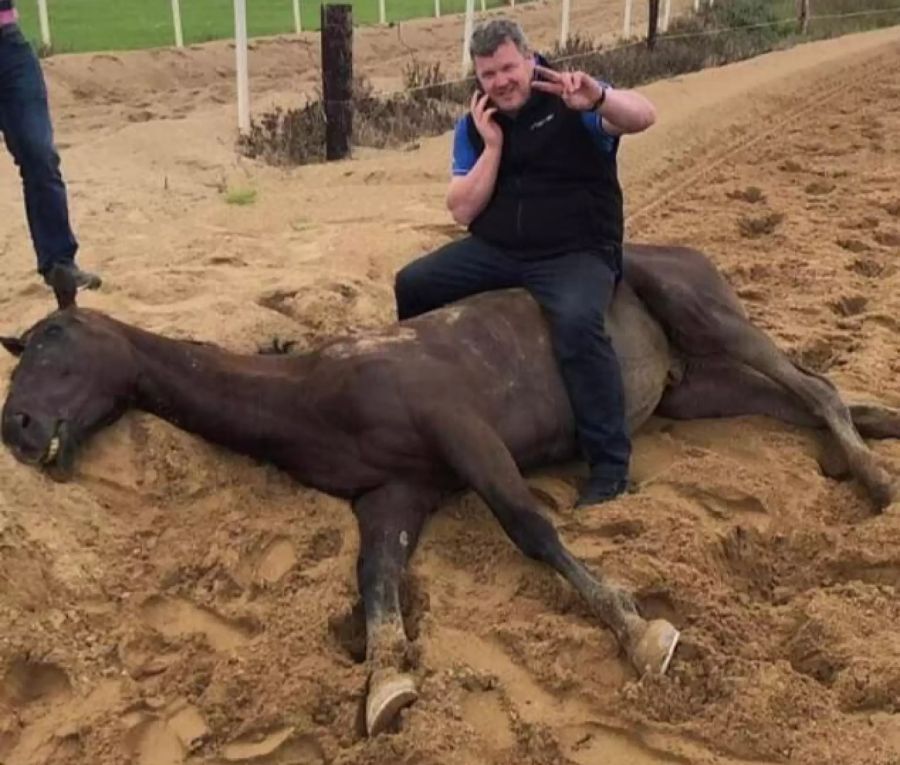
{"x":600,"y":99}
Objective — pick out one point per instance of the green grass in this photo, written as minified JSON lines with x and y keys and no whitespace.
{"x":240,"y":197}
{"x":95,"y":25}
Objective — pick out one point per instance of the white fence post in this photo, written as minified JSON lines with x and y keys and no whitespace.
{"x":564,"y":24}
{"x":667,"y":13}
{"x":437,"y":9}
{"x":483,"y":5}
{"x":240,"y":56}
{"x":696,"y":6}
{"x":298,"y":24}
{"x":626,"y":27}
{"x":467,"y":35}
{"x":382,"y":12}
{"x":45,"y":23}
{"x":176,"y":22}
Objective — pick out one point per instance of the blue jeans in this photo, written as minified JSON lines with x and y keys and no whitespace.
{"x":574,"y":290}
{"x":28,"y":133}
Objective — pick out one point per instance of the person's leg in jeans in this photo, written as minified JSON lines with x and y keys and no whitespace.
{"x":28,"y":133}
{"x":575,"y":291}
{"x":456,"y":270}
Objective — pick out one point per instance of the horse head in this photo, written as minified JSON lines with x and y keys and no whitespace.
{"x":73,"y":377}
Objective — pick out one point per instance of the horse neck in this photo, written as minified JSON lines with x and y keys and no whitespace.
{"x":235,"y":400}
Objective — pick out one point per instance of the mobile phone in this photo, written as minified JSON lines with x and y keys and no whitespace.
{"x":480,"y":91}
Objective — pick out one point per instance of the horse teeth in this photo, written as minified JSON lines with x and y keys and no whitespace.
{"x":52,"y":449}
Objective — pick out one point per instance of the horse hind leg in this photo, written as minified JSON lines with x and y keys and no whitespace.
{"x":390,"y":519}
{"x":712,"y":389}
{"x":477,"y":454}
{"x":875,"y":420}
{"x":749,"y":345}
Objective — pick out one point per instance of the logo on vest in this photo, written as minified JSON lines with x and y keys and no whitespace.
{"x":541,"y":122}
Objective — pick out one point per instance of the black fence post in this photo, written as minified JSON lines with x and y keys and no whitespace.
{"x":337,"y":78}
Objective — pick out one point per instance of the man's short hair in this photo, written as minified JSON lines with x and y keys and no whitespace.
{"x":490,"y":35}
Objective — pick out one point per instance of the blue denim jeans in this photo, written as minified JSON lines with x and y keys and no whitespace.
{"x":574,"y":290}
{"x":28,"y":134}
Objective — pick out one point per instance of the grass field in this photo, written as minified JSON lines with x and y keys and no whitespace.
{"x":95,"y":25}
{"x":89,"y":25}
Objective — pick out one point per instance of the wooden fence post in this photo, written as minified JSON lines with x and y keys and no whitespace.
{"x":337,"y":78}
{"x":564,"y":24}
{"x":240,"y":65}
{"x":652,"y":23}
{"x":803,"y":16}
{"x":45,"y":23}
{"x":468,"y":25}
{"x":176,"y":22}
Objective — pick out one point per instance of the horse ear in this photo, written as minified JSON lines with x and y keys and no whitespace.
{"x":13,"y":344}
{"x":64,"y":286}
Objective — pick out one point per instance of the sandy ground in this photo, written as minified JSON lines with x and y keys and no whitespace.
{"x":178,"y":604}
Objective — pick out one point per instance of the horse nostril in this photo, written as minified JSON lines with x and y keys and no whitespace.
{"x":22,"y":420}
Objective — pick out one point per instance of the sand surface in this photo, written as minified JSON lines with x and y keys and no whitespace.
{"x":179,"y":604}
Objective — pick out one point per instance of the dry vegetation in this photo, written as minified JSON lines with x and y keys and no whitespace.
{"x":430,"y":103}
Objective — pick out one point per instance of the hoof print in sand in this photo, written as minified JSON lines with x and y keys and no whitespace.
{"x":26,"y":681}
{"x":174,"y":617}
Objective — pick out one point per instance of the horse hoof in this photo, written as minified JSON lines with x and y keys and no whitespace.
{"x":389,"y":692}
{"x":884,"y":495}
{"x":893,"y":496}
{"x":653,"y":650}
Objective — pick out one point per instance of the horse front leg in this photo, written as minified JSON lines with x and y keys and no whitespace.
{"x":390,"y":519}
{"x":478,"y":455}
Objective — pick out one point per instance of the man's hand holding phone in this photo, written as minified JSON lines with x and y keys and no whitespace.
{"x":483,"y":112}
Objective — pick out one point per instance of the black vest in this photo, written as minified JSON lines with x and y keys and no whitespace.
{"x":556,"y":191}
{"x":6,"y":5}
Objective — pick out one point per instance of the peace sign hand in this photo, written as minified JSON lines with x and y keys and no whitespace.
{"x":578,"y":90}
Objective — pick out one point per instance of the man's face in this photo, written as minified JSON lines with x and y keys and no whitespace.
{"x":506,"y":76}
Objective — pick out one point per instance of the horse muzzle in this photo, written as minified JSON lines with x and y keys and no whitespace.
{"x":47,"y":445}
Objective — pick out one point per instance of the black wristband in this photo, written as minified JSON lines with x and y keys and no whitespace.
{"x":600,"y":99}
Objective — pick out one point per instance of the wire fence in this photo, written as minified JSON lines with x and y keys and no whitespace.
{"x":801,"y":22}
{"x":782,"y":22}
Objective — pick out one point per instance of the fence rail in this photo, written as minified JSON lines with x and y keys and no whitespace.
{"x":803,"y":18}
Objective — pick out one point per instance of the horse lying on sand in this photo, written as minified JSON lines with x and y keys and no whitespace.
{"x":462,"y":397}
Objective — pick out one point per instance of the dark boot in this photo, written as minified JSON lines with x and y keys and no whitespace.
{"x":599,"y":489}
{"x":83,"y":279}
